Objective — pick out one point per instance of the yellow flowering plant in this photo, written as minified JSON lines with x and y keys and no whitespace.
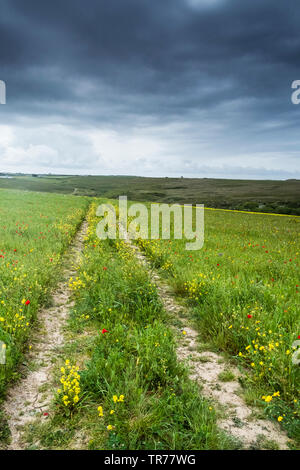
{"x":69,"y":394}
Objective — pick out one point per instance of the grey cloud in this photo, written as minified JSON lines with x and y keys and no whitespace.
{"x":220,"y":71}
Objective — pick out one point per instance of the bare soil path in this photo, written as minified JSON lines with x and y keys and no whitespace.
{"x":32,"y":395}
{"x":237,"y":418}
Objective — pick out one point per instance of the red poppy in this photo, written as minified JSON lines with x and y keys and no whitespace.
{"x":104,"y":268}
{"x":27,"y":302}
{"x":104,"y":331}
{"x":46,"y":414}
{"x":249,"y":316}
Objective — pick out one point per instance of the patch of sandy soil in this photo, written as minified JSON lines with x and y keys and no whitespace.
{"x":238,"y":418}
{"x":32,"y":395}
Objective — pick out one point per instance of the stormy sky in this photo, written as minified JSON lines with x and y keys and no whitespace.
{"x":151,"y":87}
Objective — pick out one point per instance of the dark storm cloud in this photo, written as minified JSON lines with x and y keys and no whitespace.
{"x":161,"y":49}
{"x":134,"y":62}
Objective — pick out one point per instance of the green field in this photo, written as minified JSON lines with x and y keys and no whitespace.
{"x":117,"y":379}
{"x":243,"y":290}
{"x":132,"y":392}
{"x":35,"y":230}
{"x":262,"y":196}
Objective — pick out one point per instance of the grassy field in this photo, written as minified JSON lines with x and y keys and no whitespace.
{"x":263,"y":196}
{"x":243,"y":289}
{"x":131,"y":392}
{"x":35,"y":230}
{"x":119,"y":384}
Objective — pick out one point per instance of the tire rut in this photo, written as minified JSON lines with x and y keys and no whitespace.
{"x":238,"y":419}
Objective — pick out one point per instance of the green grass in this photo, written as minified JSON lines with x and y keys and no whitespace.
{"x":263,"y":196}
{"x":4,"y":429}
{"x":136,"y":358}
{"x":226,"y":376}
{"x":35,"y":230}
{"x":242,"y":289}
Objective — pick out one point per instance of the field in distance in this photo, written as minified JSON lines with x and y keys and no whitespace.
{"x":281,"y":197}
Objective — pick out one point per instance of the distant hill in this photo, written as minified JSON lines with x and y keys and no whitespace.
{"x":253,"y":195}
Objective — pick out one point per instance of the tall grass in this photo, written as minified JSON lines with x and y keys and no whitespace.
{"x":134,"y":392}
{"x":243,"y":291}
{"x":35,"y":230}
